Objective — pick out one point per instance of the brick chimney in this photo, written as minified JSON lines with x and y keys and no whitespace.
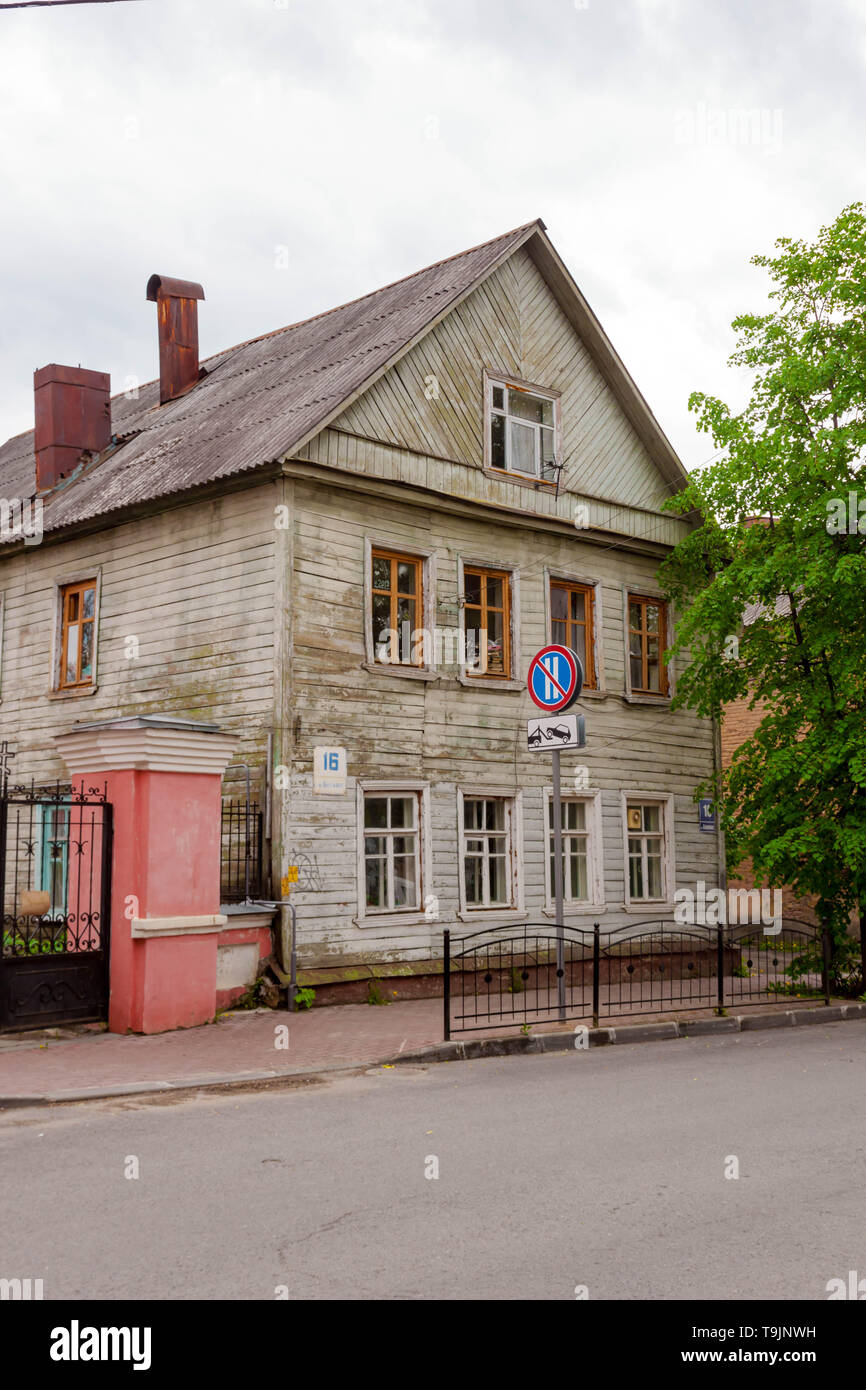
{"x":73,"y":415}
{"x":177,"y":315}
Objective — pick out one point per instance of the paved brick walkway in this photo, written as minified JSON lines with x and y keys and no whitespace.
{"x":239,"y":1045}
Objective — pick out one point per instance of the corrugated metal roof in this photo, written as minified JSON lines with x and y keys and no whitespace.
{"x":258,"y":401}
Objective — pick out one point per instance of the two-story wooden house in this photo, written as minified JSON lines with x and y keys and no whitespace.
{"x":354,"y":533}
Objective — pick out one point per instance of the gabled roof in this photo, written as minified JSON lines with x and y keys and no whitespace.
{"x":266,"y":397}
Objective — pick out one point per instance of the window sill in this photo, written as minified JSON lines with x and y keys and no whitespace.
{"x":72,"y":694}
{"x":412,"y":673}
{"x":488,"y":683}
{"x":631,"y":699}
{"x":492,"y":914}
{"x":590,"y":910}
{"x":648,"y":906}
{"x":592,"y":693}
{"x":413,"y":918}
{"x":507,"y":475}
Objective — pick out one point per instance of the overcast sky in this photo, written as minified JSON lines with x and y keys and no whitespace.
{"x":293,"y":154}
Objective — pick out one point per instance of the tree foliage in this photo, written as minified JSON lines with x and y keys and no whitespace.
{"x":775,"y":611}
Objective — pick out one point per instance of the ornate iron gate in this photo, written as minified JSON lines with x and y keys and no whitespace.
{"x":55,"y":891}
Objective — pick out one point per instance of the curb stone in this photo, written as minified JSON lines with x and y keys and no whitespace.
{"x":750,"y":1023}
{"x":470,"y":1050}
{"x":836,"y":1013}
{"x":631,"y":1033}
{"x":699,"y":1027}
{"x":164,"y":1088}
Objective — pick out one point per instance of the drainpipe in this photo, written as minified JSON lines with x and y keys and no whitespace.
{"x":287,"y":973}
{"x":720,"y":835}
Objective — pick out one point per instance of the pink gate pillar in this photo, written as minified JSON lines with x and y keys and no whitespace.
{"x":163,"y":779}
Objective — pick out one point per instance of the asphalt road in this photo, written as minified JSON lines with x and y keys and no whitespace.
{"x":603,"y":1169}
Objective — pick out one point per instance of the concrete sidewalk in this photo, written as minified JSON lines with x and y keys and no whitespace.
{"x":85,"y":1063}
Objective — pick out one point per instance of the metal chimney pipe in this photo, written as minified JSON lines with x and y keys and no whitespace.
{"x":177,"y":316}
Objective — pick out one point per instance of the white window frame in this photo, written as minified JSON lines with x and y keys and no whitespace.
{"x":594,"y":854}
{"x":666,"y":802}
{"x":504,"y":380}
{"x":406,"y":916}
{"x":514,"y":909}
{"x":94,"y":572}
{"x":427,"y":557}
{"x":512,"y":680}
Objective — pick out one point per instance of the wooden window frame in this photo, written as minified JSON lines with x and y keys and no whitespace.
{"x":486,"y":572}
{"x":647,"y":601}
{"x":507,"y":382}
{"x":396,"y":557}
{"x":590,"y":675}
{"x":66,"y":592}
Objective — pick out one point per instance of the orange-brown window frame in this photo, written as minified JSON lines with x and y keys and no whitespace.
{"x":395,"y":558}
{"x":588,"y":593}
{"x":644,"y":632}
{"x":67,"y":593}
{"x":484,"y":608}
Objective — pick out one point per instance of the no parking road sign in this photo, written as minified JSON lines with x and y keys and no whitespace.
{"x":555,"y":678}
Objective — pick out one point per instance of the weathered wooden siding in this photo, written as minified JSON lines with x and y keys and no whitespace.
{"x":194,"y":584}
{"x":262,"y":630}
{"x":448,"y":734}
{"x":511,"y":323}
{"x":392,"y":463}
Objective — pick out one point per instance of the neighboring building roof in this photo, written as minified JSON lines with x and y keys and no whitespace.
{"x":753,"y":611}
{"x":266,"y":397}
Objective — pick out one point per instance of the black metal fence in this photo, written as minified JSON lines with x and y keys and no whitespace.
{"x":516,"y":976}
{"x":242,"y":870}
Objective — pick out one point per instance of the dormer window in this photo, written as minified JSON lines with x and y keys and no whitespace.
{"x":522,"y":429}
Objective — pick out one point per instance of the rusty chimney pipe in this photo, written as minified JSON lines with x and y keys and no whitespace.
{"x":177,"y":316}
{"x":73,"y":415}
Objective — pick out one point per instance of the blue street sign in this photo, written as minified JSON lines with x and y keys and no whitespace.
{"x":555,"y":678}
{"x":706,"y":814}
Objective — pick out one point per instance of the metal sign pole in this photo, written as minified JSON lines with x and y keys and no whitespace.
{"x":554,"y":682}
{"x":557,"y":885}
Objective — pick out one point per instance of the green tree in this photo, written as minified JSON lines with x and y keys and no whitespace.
{"x":776,"y":610}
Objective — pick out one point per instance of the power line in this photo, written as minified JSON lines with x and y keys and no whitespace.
{"x":49,"y":4}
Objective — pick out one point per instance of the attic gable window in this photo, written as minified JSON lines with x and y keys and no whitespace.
{"x":522,"y":430}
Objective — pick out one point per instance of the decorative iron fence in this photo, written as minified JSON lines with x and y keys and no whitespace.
{"x":55,"y":889}
{"x":242,"y":877}
{"x":539,"y":974}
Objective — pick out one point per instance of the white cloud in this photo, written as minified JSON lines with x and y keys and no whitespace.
{"x":196,"y":137}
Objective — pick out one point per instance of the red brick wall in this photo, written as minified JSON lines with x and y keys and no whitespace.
{"x":738,"y":722}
